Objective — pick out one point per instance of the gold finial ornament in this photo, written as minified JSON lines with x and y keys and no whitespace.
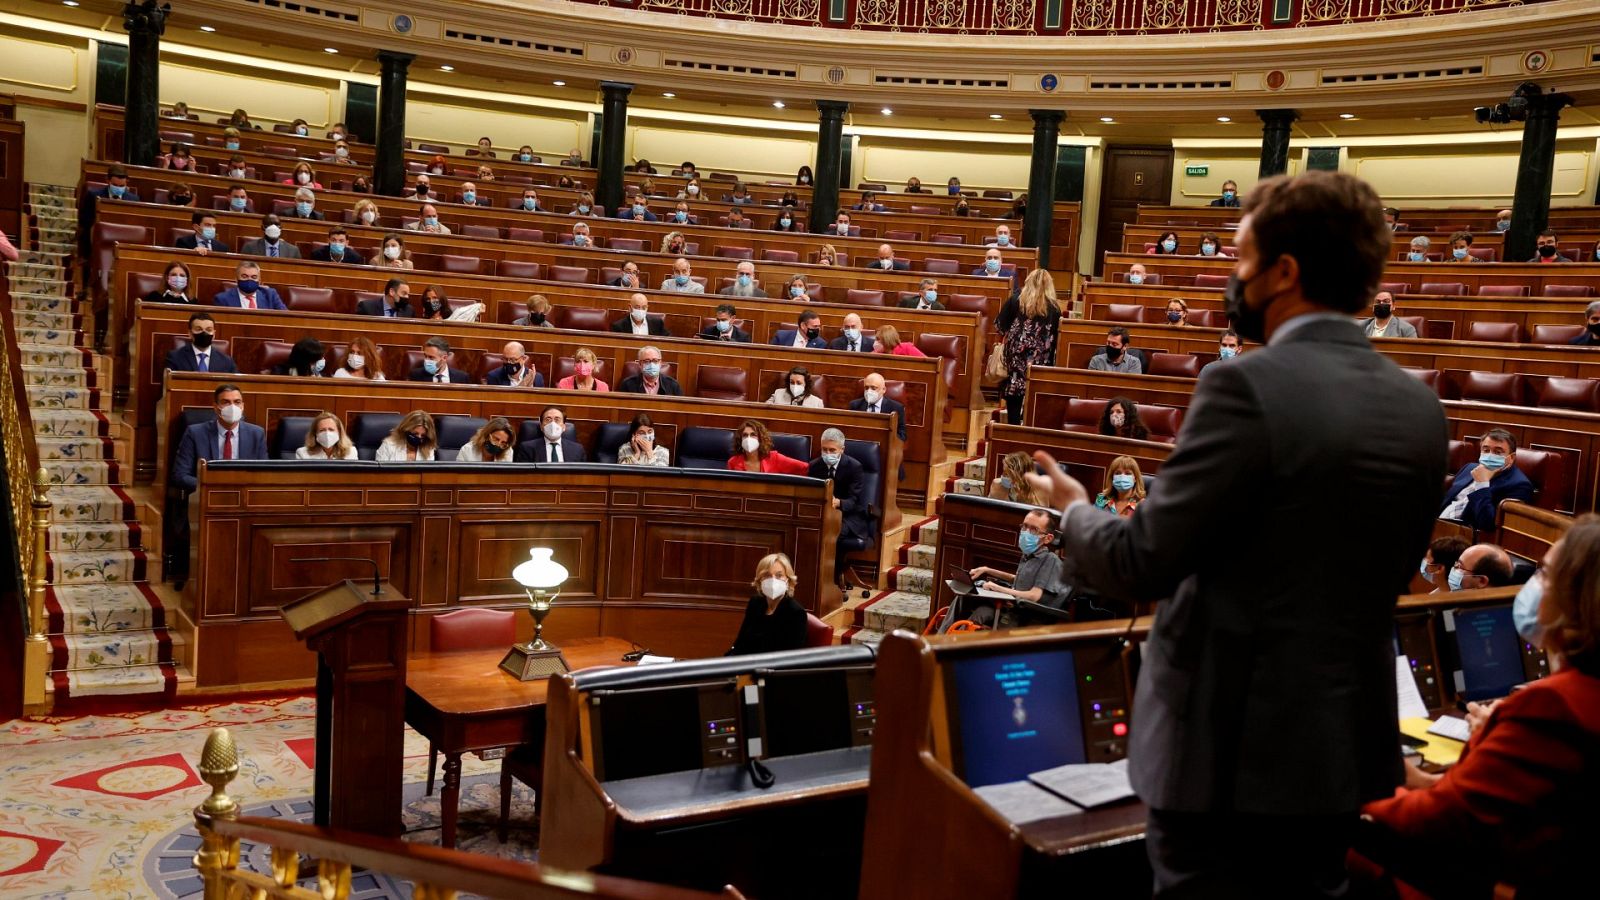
{"x":219,"y":765}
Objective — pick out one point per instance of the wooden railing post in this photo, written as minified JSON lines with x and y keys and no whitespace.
{"x":218,"y":855}
{"x":36,"y":648}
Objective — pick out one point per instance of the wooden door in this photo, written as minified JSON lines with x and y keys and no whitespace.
{"x":1131,"y":176}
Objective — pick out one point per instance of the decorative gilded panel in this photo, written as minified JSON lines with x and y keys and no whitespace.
{"x":1092,"y":15}
{"x":944,"y":14}
{"x":1013,"y":15}
{"x":877,"y":12}
{"x":1165,"y":13}
{"x":1238,"y":12}
{"x":1326,"y":10}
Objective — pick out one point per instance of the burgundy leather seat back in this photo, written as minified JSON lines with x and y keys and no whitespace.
{"x":1567,"y":290}
{"x":450,"y":262}
{"x":630,"y":245}
{"x":1124,"y":312}
{"x":1582,"y":394}
{"x":581,"y":318}
{"x":272,"y":355}
{"x":1556,"y":334}
{"x":1163,"y":421}
{"x":1551,"y":477}
{"x":936,"y":266}
{"x":1083,"y":415}
{"x":571,"y":274}
{"x":1492,"y":387}
{"x":780,"y":256}
{"x":482,"y":231}
{"x":1443,"y":288}
{"x":518,"y":268}
{"x":1182,"y":365}
{"x":1502,"y":290}
{"x":728,"y":252}
{"x":309,"y":299}
{"x":860,"y":297}
{"x":472,"y":629}
{"x":1497,"y":332}
{"x":1429,"y":377}
{"x":722,"y":383}
{"x":1211,"y":281}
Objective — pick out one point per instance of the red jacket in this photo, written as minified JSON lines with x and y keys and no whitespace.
{"x":1522,"y":806}
{"x":775,"y":464}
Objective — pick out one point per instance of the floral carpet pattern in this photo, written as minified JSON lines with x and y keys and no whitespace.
{"x":100,"y":806}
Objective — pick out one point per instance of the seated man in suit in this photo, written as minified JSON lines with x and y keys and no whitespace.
{"x":338,"y":248}
{"x":1591,"y":331}
{"x":851,"y":337}
{"x":270,"y":244}
{"x":227,"y":436}
{"x":394,"y":304}
{"x":993,"y":265}
{"x":630,"y":277}
{"x":116,"y":189}
{"x":1480,"y":566}
{"x":856,"y":523}
{"x":1548,"y":252}
{"x":680,"y":214}
{"x":841,"y":225}
{"x":1002,"y":237}
{"x":639,"y":321}
{"x":423,"y":189}
{"x":305,"y":205}
{"x":744,"y":282}
{"x":552,"y":445}
{"x":1228,"y":347}
{"x":518,"y":370}
{"x":875,"y":399}
{"x":726,"y":327}
{"x":580,"y":236}
{"x":637,"y":209}
{"x":248,"y":292}
{"x":198,"y":355}
{"x":682,"y":279}
{"x":1480,"y":486}
{"x":204,"y":240}
{"x":927,"y":296}
{"x":429,"y":222}
{"x":436,"y":364}
{"x":869,"y":203}
{"x":530,"y":200}
{"x":886,"y":260}
{"x":650,"y":380}
{"x":469,"y":195}
{"x":1384,"y":322}
{"x":1230,"y":195}
{"x":239,"y":199}
{"x":1037,"y":579}
{"x":1116,"y":357}
{"x":807,"y":333}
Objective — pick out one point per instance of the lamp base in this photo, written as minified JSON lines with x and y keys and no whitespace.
{"x":527,"y":662}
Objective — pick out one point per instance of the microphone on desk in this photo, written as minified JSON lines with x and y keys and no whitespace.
{"x":377,"y":578}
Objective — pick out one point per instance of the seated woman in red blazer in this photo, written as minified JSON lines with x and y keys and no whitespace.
{"x":1522,"y":807}
{"x":756,"y":453}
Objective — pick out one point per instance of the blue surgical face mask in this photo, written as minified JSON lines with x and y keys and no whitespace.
{"x":238,"y":204}
{"x":431,"y":221}
{"x":530,"y":203}
{"x":1502,"y":224}
{"x":724,"y":325}
{"x":318,"y":366}
{"x":797,"y":292}
{"x":1459,"y":253}
{"x":249,"y":285}
{"x":209,"y":233}
{"x":831,"y":459}
{"x":991,"y":266}
{"x":231,"y":145}
{"x":680,"y":280}
{"x":744,"y":281}
{"x":1416,"y":256}
{"x":469,"y":197}
{"x":955,"y":189}
{"x":431,"y":366}
{"x":1491,"y":461}
{"x":1455,"y":578}
{"x":302,"y":209}
{"x":1135,"y":278}
{"x":1229,"y":352}
{"x":638,"y":209}
{"x":1228,"y":195}
{"x":1003,"y":240}
{"x":785,"y":222}
{"x":300,"y":130}
{"x":1122,"y":482}
{"x":1169,"y":245}
{"x":525,"y":157}
{"x":1208,"y":249}
{"x":1005,"y":482}
{"x":1174,"y":316}
{"x":1426,"y":575}
{"x":853,"y":334}
{"x":583,"y":209}
{"x":1525,"y":610}
{"x":1027,"y":542}
{"x":580,"y":240}
{"x":930,"y":296}
{"x":117,"y":191}
{"x":652,"y":369}
{"x":681,"y":216}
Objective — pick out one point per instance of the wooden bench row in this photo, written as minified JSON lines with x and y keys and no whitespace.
{"x":1137,"y":238}
{"x":1537,"y":278}
{"x":1423,"y":219}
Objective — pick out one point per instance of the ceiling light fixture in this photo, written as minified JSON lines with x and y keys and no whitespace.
{"x":777,"y":104}
{"x":1107,"y":119}
{"x":447,"y":68}
{"x":1347,"y":115}
{"x":329,"y":50}
{"x":668,"y":94}
{"x":887,"y":111}
{"x":996,"y":116}
{"x":69,"y":2}
{"x":559,"y":83}
{"x":1224,"y":119}
{"x":208,"y":29}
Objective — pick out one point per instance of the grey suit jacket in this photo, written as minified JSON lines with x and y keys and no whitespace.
{"x":258,"y":247}
{"x":1282,"y":528}
{"x":1397,"y":328}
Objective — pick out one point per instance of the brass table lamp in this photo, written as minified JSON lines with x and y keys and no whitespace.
{"x":541,"y":577}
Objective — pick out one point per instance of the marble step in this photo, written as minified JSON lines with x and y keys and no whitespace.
{"x":976,"y":468}
{"x":970,"y":487}
{"x":861,"y":636}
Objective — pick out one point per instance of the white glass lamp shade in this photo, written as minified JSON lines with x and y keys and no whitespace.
{"x":541,"y":571}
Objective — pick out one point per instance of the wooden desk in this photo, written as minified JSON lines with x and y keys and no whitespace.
{"x":462,"y":702}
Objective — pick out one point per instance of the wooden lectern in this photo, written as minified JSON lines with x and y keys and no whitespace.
{"x":360,"y":640}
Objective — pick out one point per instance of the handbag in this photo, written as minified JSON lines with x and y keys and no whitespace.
{"x":994,"y":371}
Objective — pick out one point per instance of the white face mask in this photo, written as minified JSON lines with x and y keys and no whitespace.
{"x":327,"y":438}
{"x":649,"y":437}
{"x":302,"y":177}
{"x":774,"y":587}
{"x":391,"y":252}
{"x":637,"y":315}
{"x":797,"y":389}
{"x":750,"y":444}
{"x":232,"y":414}
{"x":356,"y":360}
{"x":368,"y":217}
{"x":554,"y":430}
{"x":272,"y":232}
{"x":870,"y":395}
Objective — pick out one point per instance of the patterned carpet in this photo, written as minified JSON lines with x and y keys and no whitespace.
{"x":107,"y":630}
{"x":100,"y":806}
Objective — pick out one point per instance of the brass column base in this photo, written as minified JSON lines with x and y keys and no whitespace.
{"x":530,"y":661}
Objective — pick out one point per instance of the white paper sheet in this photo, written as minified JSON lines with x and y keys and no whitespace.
{"x":647,"y":659}
{"x":1088,"y":785}
{"x":1411,"y":705}
{"x":1451,"y":727}
{"x":1023,"y":801}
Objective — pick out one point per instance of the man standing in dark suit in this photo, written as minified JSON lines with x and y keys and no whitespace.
{"x":1483,"y":484}
{"x":552,"y":445}
{"x":725,"y":329}
{"x":198,"y":355}
{"x":227,"y":436}
{"x":394,"y":304}
{"x":1265,"y":713}
{"x":204,"y":240}
{"x":436,"y":366}
{"x":849,"y":496}
{"x":873,"y":399}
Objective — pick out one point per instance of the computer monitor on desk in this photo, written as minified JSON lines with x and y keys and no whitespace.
{"x":814,"y":710}
{"x":1013,"y":714}
{"x":1489,"y":658}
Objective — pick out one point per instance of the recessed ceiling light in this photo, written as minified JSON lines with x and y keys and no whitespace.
{"x":996,"y":116}
{"x":447,"y":68}
{"x":777,"y":104}
{"x":559,"y":83}
{"x":207,"y":29}
{"x":1224,"y":119}
{"x":887,"y":111}
{"x":1347,"y":115}
{"x":69,"y":2}
{"x":329,"y":50}
{"x":1107,"y":119}
{"x":668,"y":94}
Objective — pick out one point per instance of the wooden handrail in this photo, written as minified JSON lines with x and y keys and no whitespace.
{"x":30,"y":502}
{"x":435,"y":872}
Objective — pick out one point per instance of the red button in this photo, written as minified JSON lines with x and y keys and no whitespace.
{"x":1120,"y":729}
